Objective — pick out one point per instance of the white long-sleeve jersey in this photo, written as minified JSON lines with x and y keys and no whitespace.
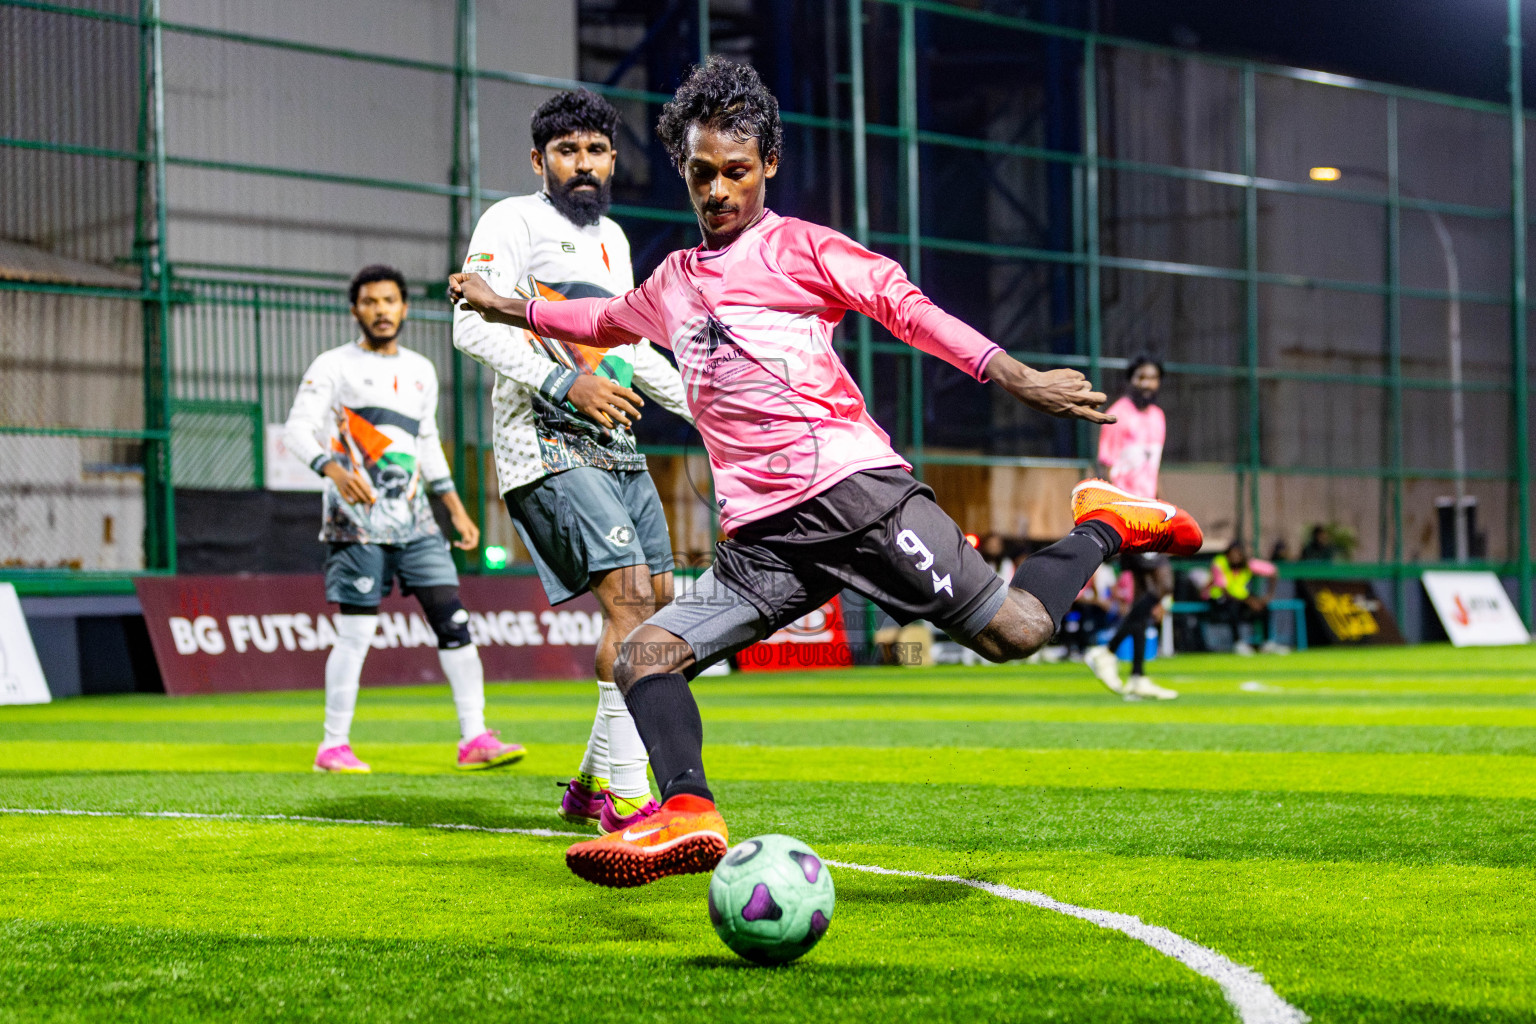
{"x":376,"y":413}
{"x":523,"y":245}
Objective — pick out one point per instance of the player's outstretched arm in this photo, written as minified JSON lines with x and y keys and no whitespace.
{"x":1065,"y":393}
{"x":830,"y":263}
{"x":469,"y":291}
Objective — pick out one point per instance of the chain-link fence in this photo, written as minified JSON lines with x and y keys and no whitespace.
{"x":1325,"y":264}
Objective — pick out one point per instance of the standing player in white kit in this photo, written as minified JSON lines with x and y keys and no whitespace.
{"x":575,"y":486}
{"x":365,"y":419}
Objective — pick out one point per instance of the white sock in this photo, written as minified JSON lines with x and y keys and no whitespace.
{"x":595,"y":761}
{"x":626,"y":751}
{"x":466,"y":676}
{"x":343,"y":670}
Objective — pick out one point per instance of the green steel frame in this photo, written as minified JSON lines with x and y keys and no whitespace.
{"x":160,"y":288}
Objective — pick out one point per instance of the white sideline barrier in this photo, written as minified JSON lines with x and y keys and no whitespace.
{"x":21,"y":676}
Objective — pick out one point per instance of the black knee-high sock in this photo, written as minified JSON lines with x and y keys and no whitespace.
{"x":667,"y":718}
{"x":1135,"y":622}
{"x":1135,"y":625}
{"x":1057,"y":574}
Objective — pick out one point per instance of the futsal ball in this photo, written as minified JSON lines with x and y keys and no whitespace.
{"x":770,"y":899}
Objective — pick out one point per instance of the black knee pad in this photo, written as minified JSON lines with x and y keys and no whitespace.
{"x":446,"y":615}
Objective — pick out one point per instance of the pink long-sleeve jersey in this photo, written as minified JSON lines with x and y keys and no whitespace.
{"x":751,"y":326}
{"x":1132,"y":446}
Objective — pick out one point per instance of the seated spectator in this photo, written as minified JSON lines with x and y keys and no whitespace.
{"x":1234,"y":597}
{"x":1320,"y":547}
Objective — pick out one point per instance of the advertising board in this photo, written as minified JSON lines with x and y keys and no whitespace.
{"x":1474,"y":609}
{"x":228,"y":634}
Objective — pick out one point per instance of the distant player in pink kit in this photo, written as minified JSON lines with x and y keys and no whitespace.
{"x":1131,"y":451}
{"x":1131,"y":448}
{"x":812,"y":497}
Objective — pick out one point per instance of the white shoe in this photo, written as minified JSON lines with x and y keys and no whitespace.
{"x":1271,"y":647}
{"x":1142,"y":688}
{"x":1243,"y":648}
{"x":1101,"y":661}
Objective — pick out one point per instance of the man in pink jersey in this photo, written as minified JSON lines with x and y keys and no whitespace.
{"x":1131,"y":452}
{"x":1131,"y":448}
{"x":812,"y":497}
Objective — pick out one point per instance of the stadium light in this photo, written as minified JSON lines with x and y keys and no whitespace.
{"x":1324,"y":174}
{"x":495,"y":557}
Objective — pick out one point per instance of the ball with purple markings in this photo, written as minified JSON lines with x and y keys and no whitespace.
{"x":770,"y":899}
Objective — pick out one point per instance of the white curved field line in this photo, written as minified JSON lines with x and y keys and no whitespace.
{"x":1245,"y":988}
{"x":195,"y":816}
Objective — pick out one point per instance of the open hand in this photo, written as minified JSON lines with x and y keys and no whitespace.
{"x":354,"y":487}
{"x":469,"y":533}
{"x":606,"y":401}
{"x":1066,"y":393}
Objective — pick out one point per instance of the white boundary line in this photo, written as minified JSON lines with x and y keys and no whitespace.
{"x":1245,"y":988}
{"x":195,"y":816}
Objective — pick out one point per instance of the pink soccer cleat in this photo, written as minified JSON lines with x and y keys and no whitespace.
{"x":340,"y":759}
{"x":580,"y":805}
{"x":686,"y":836}
{"x":613,"y":819}
{"x":487,"y":751}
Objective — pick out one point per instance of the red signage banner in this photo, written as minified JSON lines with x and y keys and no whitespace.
{"x":816,"y":640}
{"x":232,"y":634}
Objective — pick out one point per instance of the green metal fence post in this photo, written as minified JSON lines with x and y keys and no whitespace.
{"x":160,"y":496}
{"x":472,"y":126}
{"x":259,"y":452}
{"x":703,"y":16}
{"x":1517,"y":310}
{"x":1086,"y":434}
{"x":1255,"y":422}
{"x":472,"y":136}
{"x":143,"y":183}
{"x":858,"y":127}
{"x":912,"y":172}
{"x":1095,"y":314}
{"x":1394,"y":325}
{"x":858,"y":131}
{"x":455,"y":250}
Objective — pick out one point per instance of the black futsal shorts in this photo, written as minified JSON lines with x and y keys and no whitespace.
{"x":878,"y":532}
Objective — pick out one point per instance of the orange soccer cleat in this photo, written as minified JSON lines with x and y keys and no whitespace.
{"x":1144,"y":524}
{"x":686,"y":836}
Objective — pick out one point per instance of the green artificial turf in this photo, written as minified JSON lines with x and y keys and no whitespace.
{"x":1359,"y":827}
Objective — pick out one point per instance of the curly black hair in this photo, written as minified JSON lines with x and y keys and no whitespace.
{"x":371,"y":273}
{"x":576,"y":110}
{"x":1141,"y":359}
{"x":726,"y":96}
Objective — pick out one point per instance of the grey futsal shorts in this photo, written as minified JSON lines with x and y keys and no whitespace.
{"x":879,"y":533}
{"x":364,"y":573}
{"x":585,"y":521}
